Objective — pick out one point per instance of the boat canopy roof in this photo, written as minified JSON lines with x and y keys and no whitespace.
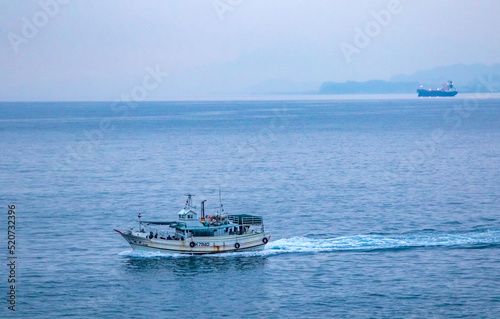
{"x":158,"y":223}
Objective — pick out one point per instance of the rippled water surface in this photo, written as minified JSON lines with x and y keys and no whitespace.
{"x":377,"y":208}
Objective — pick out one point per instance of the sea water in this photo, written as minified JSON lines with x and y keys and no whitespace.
{"x":377,"y":207}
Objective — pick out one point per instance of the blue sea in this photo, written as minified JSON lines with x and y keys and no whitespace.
{"x":377,"y":207}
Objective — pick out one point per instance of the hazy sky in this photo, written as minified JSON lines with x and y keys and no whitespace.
{"x":101,"y":50}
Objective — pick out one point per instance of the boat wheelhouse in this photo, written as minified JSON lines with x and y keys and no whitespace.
{"x":197,"y":233}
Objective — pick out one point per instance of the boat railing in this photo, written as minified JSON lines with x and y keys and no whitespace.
{"x":246,"y":220}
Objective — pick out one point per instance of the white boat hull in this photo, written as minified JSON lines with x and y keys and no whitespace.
{"x":198,"y":245}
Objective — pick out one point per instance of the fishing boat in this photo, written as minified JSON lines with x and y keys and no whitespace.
{"x":446,"y":90}
{"x":196,"y":233}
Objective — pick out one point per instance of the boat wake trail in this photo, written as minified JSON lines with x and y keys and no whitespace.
{"x":470,"y":239}
{"x":309,"y":244}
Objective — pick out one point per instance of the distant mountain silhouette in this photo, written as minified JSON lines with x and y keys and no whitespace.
{"x":467,"y":79}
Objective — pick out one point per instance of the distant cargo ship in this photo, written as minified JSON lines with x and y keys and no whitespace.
{"x":446,"y":90}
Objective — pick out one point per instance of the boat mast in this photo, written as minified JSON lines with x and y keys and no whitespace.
{"x":220,"y":202}
{"x":188,"y":202}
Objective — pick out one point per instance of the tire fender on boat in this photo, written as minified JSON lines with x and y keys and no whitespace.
{"x":264,"y":240}
{"x":192,"y":244}
{"x":236,"y":245}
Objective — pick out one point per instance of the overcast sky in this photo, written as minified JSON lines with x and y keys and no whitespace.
{"x":100,"y":50}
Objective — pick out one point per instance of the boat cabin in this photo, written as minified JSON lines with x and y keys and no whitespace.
{"x":189,"y":224}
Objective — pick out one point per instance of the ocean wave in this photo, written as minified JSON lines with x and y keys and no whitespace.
{"x":150,"y":254}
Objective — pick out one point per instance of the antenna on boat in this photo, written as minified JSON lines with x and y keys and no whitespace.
{"x":220,"y":202}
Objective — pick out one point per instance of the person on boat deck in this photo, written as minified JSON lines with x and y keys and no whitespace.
{"x":168,"y":237}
